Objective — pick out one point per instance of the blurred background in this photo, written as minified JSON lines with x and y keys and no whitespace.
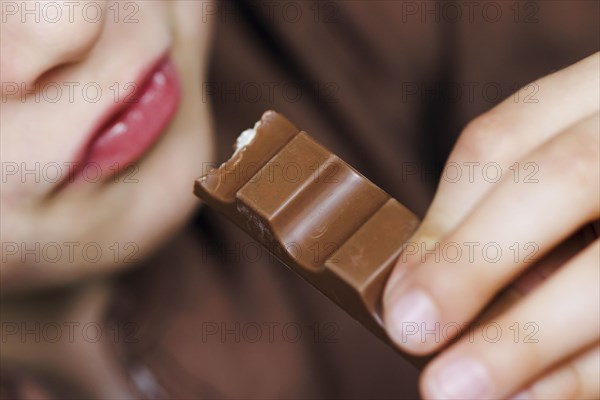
{"x":386,"y":85}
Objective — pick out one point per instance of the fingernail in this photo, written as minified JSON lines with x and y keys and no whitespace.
{"x":410,"y":316}
{"x":460,"y":379}
{"x":399,"y":273}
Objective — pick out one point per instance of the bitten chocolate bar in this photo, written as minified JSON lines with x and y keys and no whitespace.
{"x":314,"y":212}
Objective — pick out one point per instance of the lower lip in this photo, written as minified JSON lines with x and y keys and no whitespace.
{"x":133,"y":130}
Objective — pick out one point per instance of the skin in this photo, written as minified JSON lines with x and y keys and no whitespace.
{"x":34,"y":209}
{"x":560,"y":134}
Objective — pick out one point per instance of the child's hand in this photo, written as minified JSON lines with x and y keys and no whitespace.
{"x":522,"y":179}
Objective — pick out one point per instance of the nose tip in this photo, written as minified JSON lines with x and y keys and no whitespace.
{"x":31,"y":47}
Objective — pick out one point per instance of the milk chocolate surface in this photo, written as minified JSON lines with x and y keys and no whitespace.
{"x":315,"y":213}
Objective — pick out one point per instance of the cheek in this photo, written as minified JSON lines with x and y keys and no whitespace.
{"x":192,"y":17}
{"x":13,"y":226}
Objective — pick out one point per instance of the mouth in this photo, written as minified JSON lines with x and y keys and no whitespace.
{"x":133,"y":125}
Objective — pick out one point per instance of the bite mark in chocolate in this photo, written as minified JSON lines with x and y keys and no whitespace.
{"x":314,"y":212}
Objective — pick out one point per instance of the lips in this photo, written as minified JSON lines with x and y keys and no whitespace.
{"x":136,"y":124}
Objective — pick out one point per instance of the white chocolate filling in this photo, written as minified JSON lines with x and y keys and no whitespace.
{"x":246,"y":138}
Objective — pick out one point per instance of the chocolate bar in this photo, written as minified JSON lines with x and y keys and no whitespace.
{"x":314,"y":212}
